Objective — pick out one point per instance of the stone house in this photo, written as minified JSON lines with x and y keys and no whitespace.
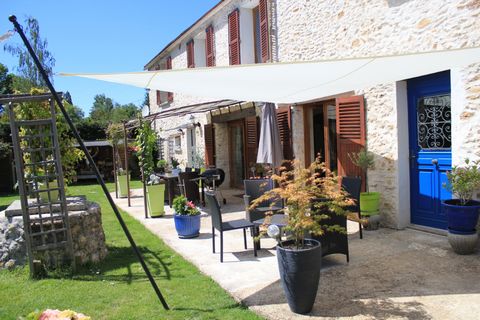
{"x":416,"y":128}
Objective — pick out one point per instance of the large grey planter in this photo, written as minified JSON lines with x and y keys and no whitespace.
{"x":463,"y":243}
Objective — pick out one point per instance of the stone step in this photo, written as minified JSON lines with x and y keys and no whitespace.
{"x":77,"y":203}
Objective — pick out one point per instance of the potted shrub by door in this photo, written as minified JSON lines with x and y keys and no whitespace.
{"x":463,"y":212}
{"x":369,"y":201}
{"x":299,"y":258}
{"x":186,"y":217}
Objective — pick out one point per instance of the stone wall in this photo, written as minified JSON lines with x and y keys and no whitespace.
{"x":315,"y":30}
{"x":85,"y":220}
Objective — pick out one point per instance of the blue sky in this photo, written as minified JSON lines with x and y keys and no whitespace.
{"x":102,"y":36}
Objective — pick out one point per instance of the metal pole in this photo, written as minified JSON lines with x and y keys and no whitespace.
{"x":114,"y":159}
{"x":125,"y":146}
{"x":17,"y":26}
{"x":144,"y":180}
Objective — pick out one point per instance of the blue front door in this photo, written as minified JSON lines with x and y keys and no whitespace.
{"x":430,"y":138}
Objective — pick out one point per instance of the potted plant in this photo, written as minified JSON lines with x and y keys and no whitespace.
{"x":146,"y":142}
{"x":122,"y":183}
{"x":369,"y":201}
{"x":162,"y":165}
{"x":155,"y":196}
{"x":463,"y":212}
{"x":186,"y":217}
{"x":115,"y":135}
{"x":310,"y":195}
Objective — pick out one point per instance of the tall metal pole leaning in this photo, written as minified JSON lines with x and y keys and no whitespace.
{"x":18,"y":28}
{"x":114,"y":158}
{"x":144,"y":181}
{"x":125,"y":146}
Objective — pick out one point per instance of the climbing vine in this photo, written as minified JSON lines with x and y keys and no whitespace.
{"x":146,"y":143}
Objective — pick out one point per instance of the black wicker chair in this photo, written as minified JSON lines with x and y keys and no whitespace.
{"x":253,"y":190}
{"x":333,"y":241}
{"x":217,"y":223}
{"x":353,"y":185}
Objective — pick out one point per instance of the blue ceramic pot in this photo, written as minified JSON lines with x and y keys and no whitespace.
{"x":187,"y":226}
{"x":461,"y":218}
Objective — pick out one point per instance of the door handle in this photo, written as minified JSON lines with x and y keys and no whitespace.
{"x":435,"y":162}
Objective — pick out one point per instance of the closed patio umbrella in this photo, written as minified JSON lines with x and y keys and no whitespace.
{"x":269,"y":146}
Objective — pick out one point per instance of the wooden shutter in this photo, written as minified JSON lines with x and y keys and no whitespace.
{"x":209,"y":134}
{"x":284,"y":122}
{"x":210,"y":47}
{"x":234,"y":37}
{"x":264,"y":38}
{"x":251,"y":141}
{"x":190,"y":54}
{"x":169,"y":66}
{"x":159,"y":97}
{"x":351,"y":135}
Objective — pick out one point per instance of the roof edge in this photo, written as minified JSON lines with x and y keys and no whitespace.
{"x":184,"y":32}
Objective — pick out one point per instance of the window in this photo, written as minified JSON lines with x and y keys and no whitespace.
{"x":260,"y":32}
{"x":256,"y":35}
{"x":190,"y":54}
{"x":234,"y":37}
{"x":169,"y":66}
{"x":210,"y":47}
{"x":178,"y":144}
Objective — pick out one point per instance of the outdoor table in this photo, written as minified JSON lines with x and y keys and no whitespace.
{"x":280,"y":220}
{"x":171,"y":180}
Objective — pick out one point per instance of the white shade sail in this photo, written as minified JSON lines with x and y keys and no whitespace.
{"x":296,"y":81}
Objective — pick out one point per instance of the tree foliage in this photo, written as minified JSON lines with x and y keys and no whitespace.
{"x":41,"y":110}
{"x":105,"y":110}
{"x":26,"y":68}
{"x":310,"y":195}
{"x":6,"y":80}
{"x":146,"y":142}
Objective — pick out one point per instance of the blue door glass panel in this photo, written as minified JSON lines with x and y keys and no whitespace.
{"x":430,"y":147}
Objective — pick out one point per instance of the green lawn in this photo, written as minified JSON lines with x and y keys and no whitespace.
{"x":118,"y":288}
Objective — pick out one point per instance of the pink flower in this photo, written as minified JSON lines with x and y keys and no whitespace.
{"x":190,"y":204}
{"x":49,"y":314}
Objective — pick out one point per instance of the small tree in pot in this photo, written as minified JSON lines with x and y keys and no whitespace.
{"x":299,"y":258}
{"x":187,"y":217}
{"x":369,"y":201}
{"x":463,"y":212}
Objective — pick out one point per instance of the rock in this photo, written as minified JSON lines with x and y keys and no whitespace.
{"x":10,"y":264}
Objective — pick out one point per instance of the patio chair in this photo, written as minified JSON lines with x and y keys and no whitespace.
{"x":353,"y":185}
{"x":333,"y":241}
{"x":253,"y":190}
{"x":189,"y":188}
{"x":218,"y":224}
